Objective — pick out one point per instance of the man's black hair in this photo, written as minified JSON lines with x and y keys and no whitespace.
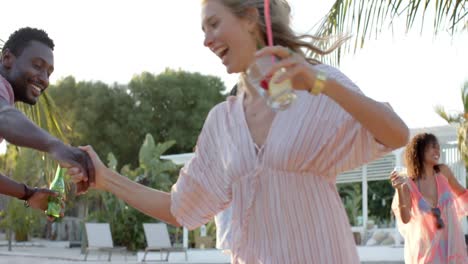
{"x":22,"y":37}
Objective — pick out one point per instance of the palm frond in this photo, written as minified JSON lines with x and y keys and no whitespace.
{"x":44,"y":114}
{"x":450,"y":118}
{"x":464,"y":96}
{"x":462,"y":141}
{"x":365,"y":19}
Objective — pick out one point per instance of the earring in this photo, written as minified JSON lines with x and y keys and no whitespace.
{"x":258,"y":42}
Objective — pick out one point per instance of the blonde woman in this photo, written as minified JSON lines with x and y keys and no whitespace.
{"x":276,"y":169}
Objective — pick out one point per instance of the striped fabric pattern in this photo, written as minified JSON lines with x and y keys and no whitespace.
{"x":285,"y":205}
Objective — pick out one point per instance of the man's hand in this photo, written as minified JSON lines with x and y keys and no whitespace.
{"x":40,"y":198}
{"x":69,"y":156}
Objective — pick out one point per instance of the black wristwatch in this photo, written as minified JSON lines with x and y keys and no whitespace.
{"x":28,"y":192}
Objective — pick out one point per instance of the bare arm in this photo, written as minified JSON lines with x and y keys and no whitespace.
{"x":404,"y":195}
{"x":386,"y":127}
{"x":452,"y":180}
{"x":17,"y":129}
{"x":37,"y":198}
{"x":154,"y":203}
{"x":149,"y":201}
{"x":381,"y":121}
{"x":12,"y":188}
{"x":404,"y":201}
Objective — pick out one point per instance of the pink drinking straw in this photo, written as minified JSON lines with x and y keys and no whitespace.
{"x":268,"y":22}
{"x":266,"y":8}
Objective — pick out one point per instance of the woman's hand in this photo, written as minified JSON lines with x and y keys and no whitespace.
{"x":298,"y":69}
{"x":397,"y":180}
{"x":40,"y":200}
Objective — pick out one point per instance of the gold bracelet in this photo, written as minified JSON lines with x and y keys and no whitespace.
{"x":402,"y":205}
{"x":319,"y":84}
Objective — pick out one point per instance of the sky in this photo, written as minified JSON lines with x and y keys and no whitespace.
{"x":111,"y":41}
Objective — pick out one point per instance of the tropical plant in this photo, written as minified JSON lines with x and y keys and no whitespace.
{"x":45,"y":115}
{"x":24,"y":168}
{"x":364,"y":19}
{"x":461,"y":120}
{"x":126,"y":222}
{"x":22,"y":221}
{"x":351,"y":196}
{"x":380,"y":195}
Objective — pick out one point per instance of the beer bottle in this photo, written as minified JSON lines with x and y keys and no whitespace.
{"x":58,"y":185}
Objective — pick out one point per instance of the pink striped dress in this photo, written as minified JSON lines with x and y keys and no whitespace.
{"x":285,"y":205}
{"x":424,"y":243}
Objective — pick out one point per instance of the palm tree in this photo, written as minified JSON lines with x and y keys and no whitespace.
{"x":366,"y":18}
{"x":460,"y":119}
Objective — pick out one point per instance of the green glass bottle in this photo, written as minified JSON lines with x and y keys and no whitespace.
{"x":58,"y":185}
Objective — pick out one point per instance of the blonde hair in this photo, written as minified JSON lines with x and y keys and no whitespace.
{"x":280,"y":23}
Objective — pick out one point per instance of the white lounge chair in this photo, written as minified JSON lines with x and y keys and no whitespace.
{"x":157,"y":239}
{"x":100,"y":239}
